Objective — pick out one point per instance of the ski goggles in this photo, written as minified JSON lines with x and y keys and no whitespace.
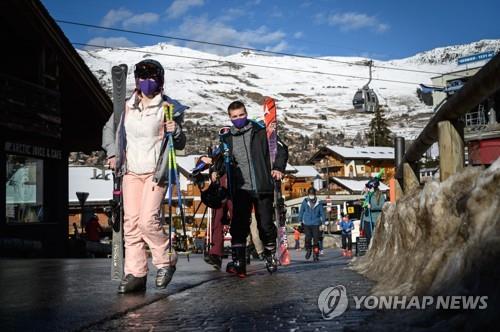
{"x":147,"y":70}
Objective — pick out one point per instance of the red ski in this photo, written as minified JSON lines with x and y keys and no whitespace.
{"x":270,"y":119}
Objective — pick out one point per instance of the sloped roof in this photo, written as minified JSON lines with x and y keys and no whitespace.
{"x":305,"y":171}
{"x":290,"y":169}
{"x":367,"y":152}
{"x":356,"y":185}
{"x":187,"y":163}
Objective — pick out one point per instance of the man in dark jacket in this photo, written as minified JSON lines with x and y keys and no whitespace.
{"x":251,"y":185}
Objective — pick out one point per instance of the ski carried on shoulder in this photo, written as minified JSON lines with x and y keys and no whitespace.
{"x":119,"y":79}
{"x":270,"y":119}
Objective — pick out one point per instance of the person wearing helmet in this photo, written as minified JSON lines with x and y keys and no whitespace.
{"x":311,"y":214}
{"x":137,"y":152}
{"x":374,"y":201}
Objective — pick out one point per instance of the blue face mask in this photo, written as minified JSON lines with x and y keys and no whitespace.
{"x":148,"y":87}
{"x":240,"y":123}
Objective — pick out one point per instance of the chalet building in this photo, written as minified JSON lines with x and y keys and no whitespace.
{"x":299,"y":179}
{"x":351,"y":186}
{"x":352,"y":162}
{"x":50,"y":104}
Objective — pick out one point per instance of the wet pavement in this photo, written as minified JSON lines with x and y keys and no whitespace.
{"x":51,"y":295}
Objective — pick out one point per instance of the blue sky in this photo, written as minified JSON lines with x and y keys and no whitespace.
{"x":378,"y":29}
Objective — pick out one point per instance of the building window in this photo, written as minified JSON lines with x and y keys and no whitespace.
{"x":24,"y":189}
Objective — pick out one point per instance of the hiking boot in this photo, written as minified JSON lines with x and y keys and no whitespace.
{"x":131,"y":284}
{"x":164,"y":276}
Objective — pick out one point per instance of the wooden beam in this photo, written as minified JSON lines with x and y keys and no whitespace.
{"x":410,"y":180}
{"x":451,"y":150}
{"x":395,"y":190}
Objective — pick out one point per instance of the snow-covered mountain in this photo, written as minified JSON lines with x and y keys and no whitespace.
{"x":309,"y":98}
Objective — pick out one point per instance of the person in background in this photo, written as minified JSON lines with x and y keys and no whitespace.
{"x":346,"y":227}
{"x":296,"y":236}
{"x":321,"y":237}
{"x":374,"y":201}
{"x":254,"y":244}
{"x":93,"y":229}
{"x":312,"y":215}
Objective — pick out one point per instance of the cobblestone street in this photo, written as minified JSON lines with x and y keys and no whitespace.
{"x":286,"y":300}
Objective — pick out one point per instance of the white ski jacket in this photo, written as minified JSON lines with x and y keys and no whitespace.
{"x":137,"y":144}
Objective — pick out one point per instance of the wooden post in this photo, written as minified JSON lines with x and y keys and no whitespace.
{"x":451,"y":150}
{"x":395,"y":190}
{"x":410,"y":180}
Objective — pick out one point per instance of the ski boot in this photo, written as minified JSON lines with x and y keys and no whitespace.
{"x":349,"y":253}
{"x":238,"y":264}
{"x":308,"y":253}
{"x":131,"y":284}
{"x":344,"y":252}
{"x":316,"y":254}
{"x":271,"y":260}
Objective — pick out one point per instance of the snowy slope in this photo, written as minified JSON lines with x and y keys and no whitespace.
{"x":308,"y":101}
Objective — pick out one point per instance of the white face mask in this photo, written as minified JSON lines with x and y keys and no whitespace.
{"x":372,"y":190}
{"x":312,"y":197}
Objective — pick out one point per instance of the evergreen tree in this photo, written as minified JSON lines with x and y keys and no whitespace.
{"x":379,"y":133}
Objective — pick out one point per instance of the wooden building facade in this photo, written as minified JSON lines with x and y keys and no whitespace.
{"x":50,"y":104}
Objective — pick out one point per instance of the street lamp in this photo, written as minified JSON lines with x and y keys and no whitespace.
{"x":82,"y":198}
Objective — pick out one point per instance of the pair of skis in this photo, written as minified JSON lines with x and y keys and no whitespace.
{"x":119,"y":79}
{"x":270,"y":120}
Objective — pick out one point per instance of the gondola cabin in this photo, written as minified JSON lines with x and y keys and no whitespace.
{"x":365,"y":100}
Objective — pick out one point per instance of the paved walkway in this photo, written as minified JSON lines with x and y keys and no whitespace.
{"x":50,"y":295}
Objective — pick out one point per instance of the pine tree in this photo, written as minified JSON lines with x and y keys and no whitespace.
{"x":379,"y":133}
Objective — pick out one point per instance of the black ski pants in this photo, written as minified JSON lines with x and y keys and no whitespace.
{"x":312,"y":233}
{"x":243,"y":202}
{"x":347,"y":241}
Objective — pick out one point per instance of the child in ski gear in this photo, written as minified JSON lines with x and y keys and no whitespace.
{"x":312,"y":215}
{"x":251,"y":184}
{"x":346,"y":227}
{"x":138,"y":153}
{"x":296,"y":236}
{"x":374,"y":201}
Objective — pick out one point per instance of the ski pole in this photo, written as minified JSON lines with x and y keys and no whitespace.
{"x":175,"y":173}
{"x":169,"y":170}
